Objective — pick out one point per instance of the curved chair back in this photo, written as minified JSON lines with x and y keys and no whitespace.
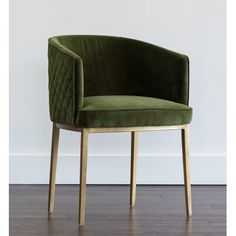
{"x":122,"y":66}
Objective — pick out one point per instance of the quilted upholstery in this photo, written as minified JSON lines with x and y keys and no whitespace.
{"x":84,"y":67}
{"x":65,"y":83}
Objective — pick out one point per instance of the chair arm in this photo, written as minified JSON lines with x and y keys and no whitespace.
{"x":160,"y":73}
{"x":169,"y":77}
{"x":66,"y":83}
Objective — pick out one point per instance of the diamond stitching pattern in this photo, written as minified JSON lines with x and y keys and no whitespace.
{"x":60,"y":86}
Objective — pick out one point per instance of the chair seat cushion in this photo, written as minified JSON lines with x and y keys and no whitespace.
{"x":131,"y":111}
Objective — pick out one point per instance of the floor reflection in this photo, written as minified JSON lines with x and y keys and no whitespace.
{"x":188,"y":226}
{"x":134,"y":226}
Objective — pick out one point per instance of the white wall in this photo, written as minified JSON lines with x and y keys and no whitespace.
{"x":193,"y":27}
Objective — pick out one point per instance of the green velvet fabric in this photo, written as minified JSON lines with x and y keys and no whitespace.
{"x":126,"y":110}
{"x":86,"y":66}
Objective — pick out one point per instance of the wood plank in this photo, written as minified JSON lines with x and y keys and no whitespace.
{"x":108,"y":211}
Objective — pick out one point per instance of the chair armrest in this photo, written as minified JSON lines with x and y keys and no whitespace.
{"x":66,"y":85}
{"x":169,"y":76}
{"x":160,"y":73}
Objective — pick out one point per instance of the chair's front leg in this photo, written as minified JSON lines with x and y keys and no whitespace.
{"x":186,"y":169}
{"x":83,"y":173}
{"x":54,"y":153}
{"x":133,"y":167}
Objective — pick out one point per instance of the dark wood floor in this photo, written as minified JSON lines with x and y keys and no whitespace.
{"x":159,"y":210}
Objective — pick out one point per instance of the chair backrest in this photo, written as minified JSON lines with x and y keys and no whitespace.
{"x":122,"y":66}
{"x":105,"y":63}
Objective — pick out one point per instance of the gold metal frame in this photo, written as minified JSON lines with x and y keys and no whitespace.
{"x":133,"y":166}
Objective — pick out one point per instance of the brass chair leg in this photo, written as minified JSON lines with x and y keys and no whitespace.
{"x":54,"y":153}
{"x":133,"y":167}
{"x":83,"y":173}
{"x":186,"y":169}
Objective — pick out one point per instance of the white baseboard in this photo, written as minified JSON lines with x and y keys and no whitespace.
{"x":110,"y":169}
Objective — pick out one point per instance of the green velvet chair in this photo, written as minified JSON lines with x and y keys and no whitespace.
{"x":113,"y":84}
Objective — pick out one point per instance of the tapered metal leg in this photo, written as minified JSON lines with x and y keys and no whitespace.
{"x":54,"y":153}
{"x":186,"y":169}
{"x":83,"y":173}
{"x":133,"y":167}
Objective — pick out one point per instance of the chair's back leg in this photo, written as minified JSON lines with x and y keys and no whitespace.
{"x":54,"y":153}
{"x":133,"y":167}
{"x":186,"y":169}
{"x":83,"y":173}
